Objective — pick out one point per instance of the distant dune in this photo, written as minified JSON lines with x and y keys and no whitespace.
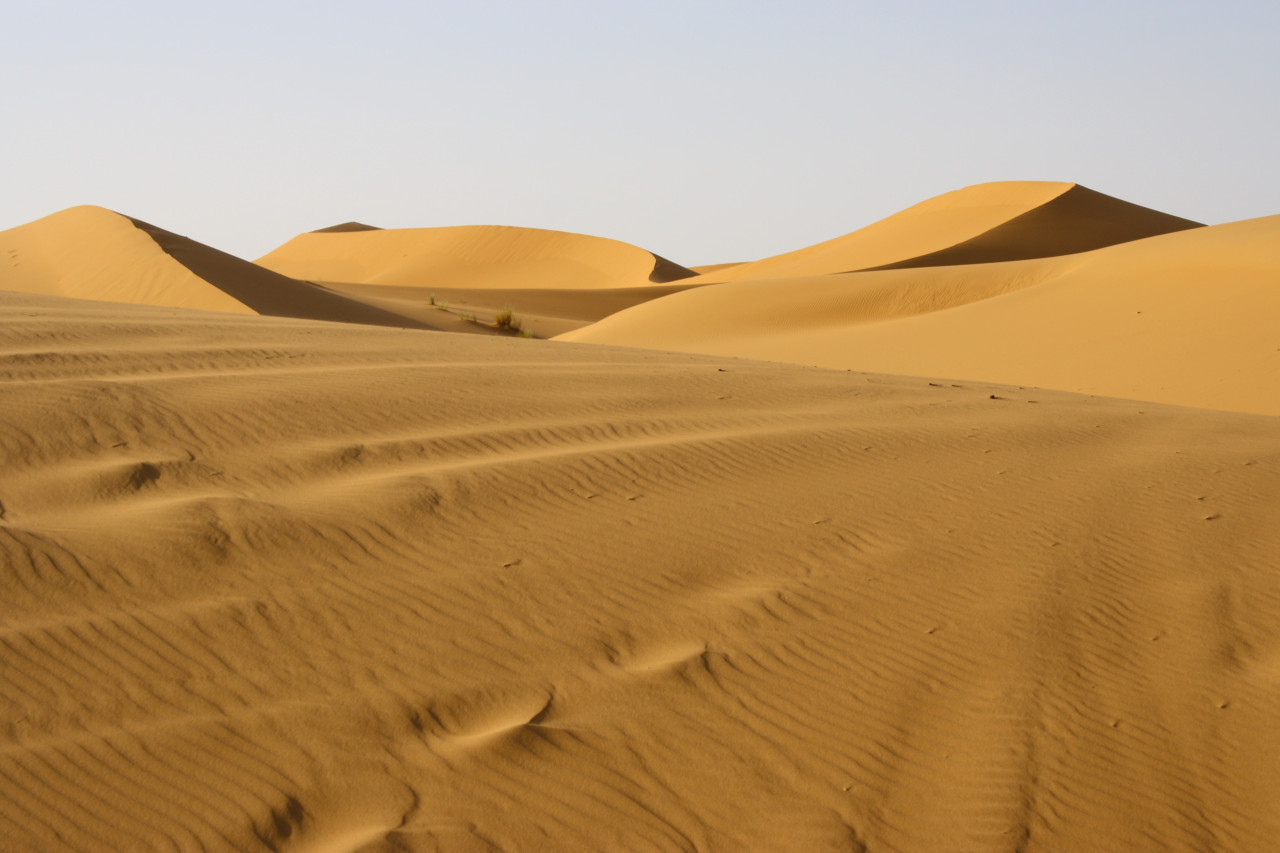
{"x":346,"y":227}
{"x":281,"y":585}
{"x":93,"y":253}
{"x":1187,"y":318}
{"x":471,"y":257}
{"x":1002,"y":221}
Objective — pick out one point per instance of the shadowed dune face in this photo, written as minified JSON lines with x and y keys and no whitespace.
{"x":471,"y":256}
{"x":93,"y":253}
{"x":1186,"y":318}
{"x":1001,"y":221}
{"x":281,"y":585}
{"x":267,"y":292}
{"x":1078,"y":220}
{"x":345,"y":227}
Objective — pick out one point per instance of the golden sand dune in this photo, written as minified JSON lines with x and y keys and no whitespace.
{"x":1002,"y":221}
{"x":92,"y":253}
{"x":1187,"y":318}
{"x":471,"y":256}
{"x":284,"y":585}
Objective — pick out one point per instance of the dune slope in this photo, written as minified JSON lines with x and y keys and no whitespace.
{"x":1000,"y":221}
{"x":89,"y":252}
{"x":1186,"y":318}
{"x":471,"y":256}
{"x":281,"y":585}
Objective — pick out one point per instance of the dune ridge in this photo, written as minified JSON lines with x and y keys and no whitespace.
{"x":1186,"y":318}
{"x":470,"y":256}
{"x":983,"y":223}
{"x":344,"y":227}
{"x":90,"y":252}
{"x":266,"y":292}
{"x":273,"y":584}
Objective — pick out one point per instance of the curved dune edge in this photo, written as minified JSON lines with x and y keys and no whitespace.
{"x":93,"y":253}
{"x":281,"y":585}
{"x":471,"y":256}
{"x":343,"y":227}
{"x":90,"y":252}
{"x":984,"y":223}
{"x":267,"y":292}
{"x":1185,"y":318}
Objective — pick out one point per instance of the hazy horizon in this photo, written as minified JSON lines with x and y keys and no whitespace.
{"x":705,"y":132}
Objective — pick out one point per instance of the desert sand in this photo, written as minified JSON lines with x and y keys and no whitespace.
{"x":1000,"y":574}
{"x":557,"y":281}
{"x":1188,"y":318}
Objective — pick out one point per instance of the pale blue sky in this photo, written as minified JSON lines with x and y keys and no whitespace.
{"x":705,"y":131}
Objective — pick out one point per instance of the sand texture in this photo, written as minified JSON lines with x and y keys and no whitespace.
{"x":958,"y":533}
{"x":278,"y":584}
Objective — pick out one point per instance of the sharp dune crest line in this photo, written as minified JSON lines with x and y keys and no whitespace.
{"x":92,"y":253}
{"x":89,"y":252}
{"x":984,"y":223}
{"x":1187,"y":318}
{"x":284,"y":585}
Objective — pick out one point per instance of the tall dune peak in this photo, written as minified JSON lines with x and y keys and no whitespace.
{"x":982,"y":223}
{"x":90,"y":252}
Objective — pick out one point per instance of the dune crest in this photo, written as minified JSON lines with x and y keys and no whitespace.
{"x":1000,"y":221}
{"x":470,"y":256}
{"x":1186,"y":318}
{"x":90,"y":252}
{"x":344,"y":227}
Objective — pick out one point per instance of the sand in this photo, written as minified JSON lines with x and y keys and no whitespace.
{"x":468,"y":256}
{"x":90,"y":252}
{"x":999,"y":221}
{"x":286,"y":584}
{"x":1188,"y":318}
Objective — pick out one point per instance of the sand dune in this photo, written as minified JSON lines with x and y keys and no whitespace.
{"x":1186,"y":318}
{"x":1001,"y":221}
{"x":469,"y":257}
{"x":92,"y":253}
{"x":275,"y":584}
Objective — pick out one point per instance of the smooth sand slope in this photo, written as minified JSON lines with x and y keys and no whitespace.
{"x":284,"y":585}
{"x":89,"y":252}
{"x":999,"y":221}
{"x":469,"y":257}
{"x":1188,"y":318}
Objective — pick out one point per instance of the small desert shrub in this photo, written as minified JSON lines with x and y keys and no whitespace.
{"x":504,"y":319}
{"x":431,"y":299}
